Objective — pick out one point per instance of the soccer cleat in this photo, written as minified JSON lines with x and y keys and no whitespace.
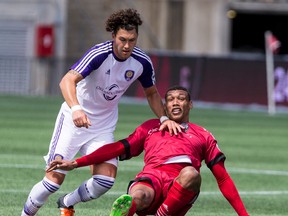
{"x":64,"y":210}
{"x":121,"y":206}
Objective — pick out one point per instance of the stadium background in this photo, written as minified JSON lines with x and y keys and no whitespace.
{"x":195,"y":43}
{"x":214,"y":47}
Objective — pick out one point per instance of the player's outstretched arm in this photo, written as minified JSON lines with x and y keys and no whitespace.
{"x":98,"y":156}
{"x":228,"y":188}
{"x":62,"y":164}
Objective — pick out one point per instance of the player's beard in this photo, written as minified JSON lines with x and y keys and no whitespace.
{"x":125,"y":54}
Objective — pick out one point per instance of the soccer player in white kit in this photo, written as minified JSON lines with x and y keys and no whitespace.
{"x":87,"y":119}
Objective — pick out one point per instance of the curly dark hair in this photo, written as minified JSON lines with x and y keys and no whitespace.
{"x":127,"y":19}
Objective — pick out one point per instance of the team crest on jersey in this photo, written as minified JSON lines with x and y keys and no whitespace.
{"x":129,"y":74}
{"x":58,"y":157}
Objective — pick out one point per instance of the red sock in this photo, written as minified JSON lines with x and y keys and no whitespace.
{"x":177,"y":199}
{"x":132,"y":209}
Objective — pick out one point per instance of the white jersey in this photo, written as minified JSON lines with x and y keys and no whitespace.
{"x":106,"y":78}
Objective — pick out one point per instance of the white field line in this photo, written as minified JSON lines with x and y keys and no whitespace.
{"x":136,"y":166}
{"x":255,"y":171}
{"x":203,"y":193}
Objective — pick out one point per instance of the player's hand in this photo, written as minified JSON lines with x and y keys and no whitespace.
{"x":62,"y":164}
{"x":173,"y":127}
{"x":80,"y":119}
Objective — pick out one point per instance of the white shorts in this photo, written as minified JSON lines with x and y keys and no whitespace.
{"x":68,"y":140}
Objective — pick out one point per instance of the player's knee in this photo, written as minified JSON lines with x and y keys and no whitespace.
{"x":142,"y":198}
{"x":56,"y":177}
{"x":189,"y":178}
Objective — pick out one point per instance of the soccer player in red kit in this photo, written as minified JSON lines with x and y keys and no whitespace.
{"x":170,"y":180}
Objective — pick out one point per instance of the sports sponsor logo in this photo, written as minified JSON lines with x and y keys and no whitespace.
{"x":110,"y":92}
{"x":153,"y":130}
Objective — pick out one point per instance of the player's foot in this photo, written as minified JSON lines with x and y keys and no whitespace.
{"x":121,"y":206}
{"x":65,"y":210}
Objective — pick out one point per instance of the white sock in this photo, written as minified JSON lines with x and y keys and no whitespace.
{"x":90,"y":189}
{"x":38,"y":196}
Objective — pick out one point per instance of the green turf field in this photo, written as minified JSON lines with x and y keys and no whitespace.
{"x":255,"y":144}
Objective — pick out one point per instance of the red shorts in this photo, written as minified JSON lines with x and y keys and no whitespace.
{"x":160,"y":178}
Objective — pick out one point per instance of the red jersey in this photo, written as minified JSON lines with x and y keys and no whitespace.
{"x":194,"y":142}
{"x":159,"y":146}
